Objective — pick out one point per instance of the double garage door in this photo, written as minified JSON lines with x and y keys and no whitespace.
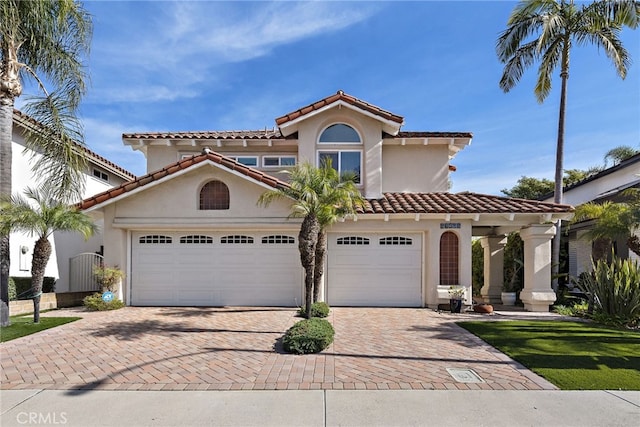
{"x":263,"y":269}
{"x":215,"y":269}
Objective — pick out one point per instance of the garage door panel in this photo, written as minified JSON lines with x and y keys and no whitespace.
{"x":375,"y":274}
{"x":206,"y":272}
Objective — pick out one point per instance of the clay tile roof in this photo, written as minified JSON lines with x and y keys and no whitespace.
{"x":427,"y":134}
{"x":443,"y":203}
{"x":179,"y":166}
{"x":35,"y":125}
{"x":214,"y":135}
{"x":340,"y":96}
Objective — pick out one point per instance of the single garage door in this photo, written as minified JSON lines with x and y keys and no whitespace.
{"x":375,"y":270}
{"x":215,"y":269}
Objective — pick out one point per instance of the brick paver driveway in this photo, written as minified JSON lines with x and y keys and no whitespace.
{"x":139,"y":348}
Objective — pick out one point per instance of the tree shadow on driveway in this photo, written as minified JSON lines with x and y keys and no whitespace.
{"x":133,"y":330}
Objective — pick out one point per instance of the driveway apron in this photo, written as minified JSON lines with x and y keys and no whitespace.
{"x":235,"y":348}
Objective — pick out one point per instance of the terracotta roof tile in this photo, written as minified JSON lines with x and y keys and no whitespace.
{"x":28,"y":120}
{"x":340,"y":96}
{"x":444,"y":203}
{"x":203,"y":135}
{"x":428,"y":134}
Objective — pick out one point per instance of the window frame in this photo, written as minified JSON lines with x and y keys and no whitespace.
{"x":339,"y":166}
{"x":254,"y":158}
{"x":100,"y":174}
{"x":279,"y":165}
{"x":360,"y":142}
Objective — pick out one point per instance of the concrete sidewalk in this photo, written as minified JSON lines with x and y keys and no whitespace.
{"x":320,"y":408}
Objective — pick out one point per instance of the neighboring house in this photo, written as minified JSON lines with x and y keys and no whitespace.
{"x":605,"y":185}
{"x":101,"y":174}
{"x":190,"y":232}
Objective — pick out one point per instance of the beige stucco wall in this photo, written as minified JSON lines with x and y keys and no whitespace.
{"x":178,"y":199}
{"x":415,"y":168}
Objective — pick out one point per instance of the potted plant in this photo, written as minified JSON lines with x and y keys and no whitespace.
{"x":456,"y":294}
{"x":511,"y":285}
{"x":108,"y":277}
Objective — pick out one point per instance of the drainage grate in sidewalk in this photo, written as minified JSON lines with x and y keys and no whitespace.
{"x":464,"y":375}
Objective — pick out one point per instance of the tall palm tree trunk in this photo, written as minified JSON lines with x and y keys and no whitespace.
{"x":321,"y":250}
{"x":41,"y":254}
{"x":557,"y":195}
{"x":6,"y":130}
{"x":307,"y":239}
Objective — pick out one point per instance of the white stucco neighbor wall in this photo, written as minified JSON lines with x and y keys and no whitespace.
{"x":593,"y":189}
{"x":64,"y":245}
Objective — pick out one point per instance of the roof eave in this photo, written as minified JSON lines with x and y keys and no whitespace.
{"x":389,"y":126}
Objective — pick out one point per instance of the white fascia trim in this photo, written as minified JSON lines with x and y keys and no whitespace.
{"x":393,"y":127}
{"x":172,"y":176}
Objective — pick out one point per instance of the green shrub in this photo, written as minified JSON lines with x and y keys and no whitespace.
{"x":96,"y":303}
{"x":613,"y":290}
{"x":12,"y":289}
{"x":23,"y":286}
{"x":318,"y":309}
{"x":308,"y":336}
{"x":577,"y":309}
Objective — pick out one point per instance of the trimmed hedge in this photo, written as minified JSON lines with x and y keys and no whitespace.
{"x":308,"y":336}
{"x":318,"y":309}
{"x":23,"y":286}
{"x":96,"y":303}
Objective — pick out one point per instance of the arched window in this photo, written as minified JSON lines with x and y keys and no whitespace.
{"x":339,"y":133}
{"x":449,"y":259}
{"x":214,"y":196}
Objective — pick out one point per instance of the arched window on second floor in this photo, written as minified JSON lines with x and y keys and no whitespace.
{"x":214,"y":195}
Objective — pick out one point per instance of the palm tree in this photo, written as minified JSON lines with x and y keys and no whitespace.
{"x":40,"y":214}
{"x":42,"y":41}
{"x":612,"y":220}
{"x":340,"y":198}
{"x":319,"y":197}
{"x":618,"y":154}
{"x":558,"y":25}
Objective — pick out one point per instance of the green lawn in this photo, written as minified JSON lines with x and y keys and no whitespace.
{"x":23,"y":325}
{"x":571,"y":355}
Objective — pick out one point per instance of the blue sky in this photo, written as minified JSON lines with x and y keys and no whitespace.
{"x":162,"y":65}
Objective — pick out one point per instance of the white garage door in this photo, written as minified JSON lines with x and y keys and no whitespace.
{"x":215,"y":269}
{"x":375,"y":270}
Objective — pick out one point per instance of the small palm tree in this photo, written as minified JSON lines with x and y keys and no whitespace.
{"x":318,"y":197}
{"x":40,"y":214}
{"x":611,"y":220}
{"x":42,"y":41}
{"x":340,"y":198}
{"x":618,"y":154}
{"x":544,"y":31}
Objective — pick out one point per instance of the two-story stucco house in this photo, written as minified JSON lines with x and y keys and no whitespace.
{"x":100,"y":175}
{"x":608,"y":184}
{"x":190,"y":232}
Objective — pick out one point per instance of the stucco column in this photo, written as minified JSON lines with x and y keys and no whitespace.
{"x":537,"y":294}
{"x":493,"y":268}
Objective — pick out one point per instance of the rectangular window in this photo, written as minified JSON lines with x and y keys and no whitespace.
{"x":278,"y":161}
{"x":343,"y":161}
{"x":101,"y":175}
{"x":251,"y":161}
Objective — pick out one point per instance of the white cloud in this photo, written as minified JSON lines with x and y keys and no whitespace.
{"x":163,"y":56}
